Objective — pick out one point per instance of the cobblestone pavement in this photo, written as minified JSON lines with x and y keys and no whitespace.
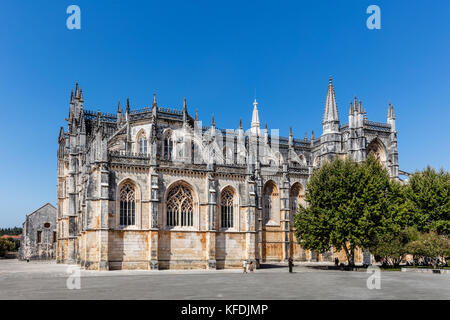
{"x":40,"y":280}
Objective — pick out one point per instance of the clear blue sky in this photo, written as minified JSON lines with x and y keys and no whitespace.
{"x":216,"y":53}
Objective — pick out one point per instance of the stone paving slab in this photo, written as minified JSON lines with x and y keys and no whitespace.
{"x":37,"y":280}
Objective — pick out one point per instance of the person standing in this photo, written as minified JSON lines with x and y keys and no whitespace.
{"x":251,"y":266}
{"x":244,"y":265}
{"x":291,"y":265}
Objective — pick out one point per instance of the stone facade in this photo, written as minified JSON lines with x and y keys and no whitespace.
{"x":152,"y":188}
{"x":39,"y":235}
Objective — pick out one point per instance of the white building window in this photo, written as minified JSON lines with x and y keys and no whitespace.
{"x":142,"y":144}
{"x":180,"y":207}
{"x":226,"y":209}
{"x":127,"y":205}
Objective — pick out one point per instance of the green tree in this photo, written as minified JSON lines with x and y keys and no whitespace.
{"x":5,"y":246}
{"x":429,"y":245}
{"x":393,"y":247}
{"x":10,"y":231}
{"x":348,"y":207}
{"x":428,"y":194}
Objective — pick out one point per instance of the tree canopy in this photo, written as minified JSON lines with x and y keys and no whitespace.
{"x":357,"y":205}
{"x":349,"y":205}
{"x":428,"y":194}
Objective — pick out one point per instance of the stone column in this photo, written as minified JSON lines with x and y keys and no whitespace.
{"x":258,"y":216}
{"x":153,"y":234}
{"x":250,"y":236}
{"x":72,"y":212}
{"x":285,"y":212}
{"x":211,"y":233}
{"x":102,"y":235}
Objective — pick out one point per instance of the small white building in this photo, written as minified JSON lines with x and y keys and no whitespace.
{"x":39,"y":234}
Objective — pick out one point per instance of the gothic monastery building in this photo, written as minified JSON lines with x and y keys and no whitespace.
{"x":152,"y":188}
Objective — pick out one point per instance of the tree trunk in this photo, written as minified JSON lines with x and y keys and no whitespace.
{"x":350,"y":256}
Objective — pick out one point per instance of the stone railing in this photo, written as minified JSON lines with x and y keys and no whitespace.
{"x":377,"y":126}
{"x":129,"y":158}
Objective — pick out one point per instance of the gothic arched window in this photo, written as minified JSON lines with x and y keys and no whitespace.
{"x":142,"y":144}
{"x":376,"y":148}
{"x":168,"y":147}
{"x":226,"y":209}
{"x":180,"y":207}
{"x":127,"y":205}
{"x":297,"y":198}
{"x":271,"y":203}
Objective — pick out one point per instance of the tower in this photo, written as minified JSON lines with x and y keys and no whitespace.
{"x":331,"y":137}
{"x":255,"y":125}
{"x":392,"y":156}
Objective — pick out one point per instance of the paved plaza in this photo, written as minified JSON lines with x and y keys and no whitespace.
{"x":43,"y":280}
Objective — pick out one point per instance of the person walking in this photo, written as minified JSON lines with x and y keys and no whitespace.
{"x":336,"y":261}
{"x":244,"y":265}
{"x":291,"y":264}
{"x":251,"y":266}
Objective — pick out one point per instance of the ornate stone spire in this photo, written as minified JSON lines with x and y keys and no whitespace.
{"x":391,"y":117}
{"x":391,"y":113}
{"x":71,"y":98}
{"x":154,"y":104}
{"x":240,"y":124}
{"x":83,"y":124}
{"x":266,"y":133}
{"x":196,"y":114}
{"x":98,"y":117}
{"x":81,"y":96}
{"x":76,"y":90}
{"x":119,"y":114}
{"x":213,"y":124}
{"x":255,"y":126}
{"x":291,"y":137}
{"x":330,"y":115}
{"x":127,"y":110}
{"x":184,"y":110}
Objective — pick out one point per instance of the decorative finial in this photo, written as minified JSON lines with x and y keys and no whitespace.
{"x":184,"y":104}
{"x":213,"y":124}
{"x":306,"y":136}
{"x":290,"y":132}
{"x":154,"y":99}
{"x":128,"y":105}
{"x":240,"y":123}
{"x":76,"y":89}
{"x":81,"y":95}
{"x":312,"y":135}
{"x":196,"y":114}
{"x":119,"y":110}
{"x":330,"y":80}
{"x":71,"y":97}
